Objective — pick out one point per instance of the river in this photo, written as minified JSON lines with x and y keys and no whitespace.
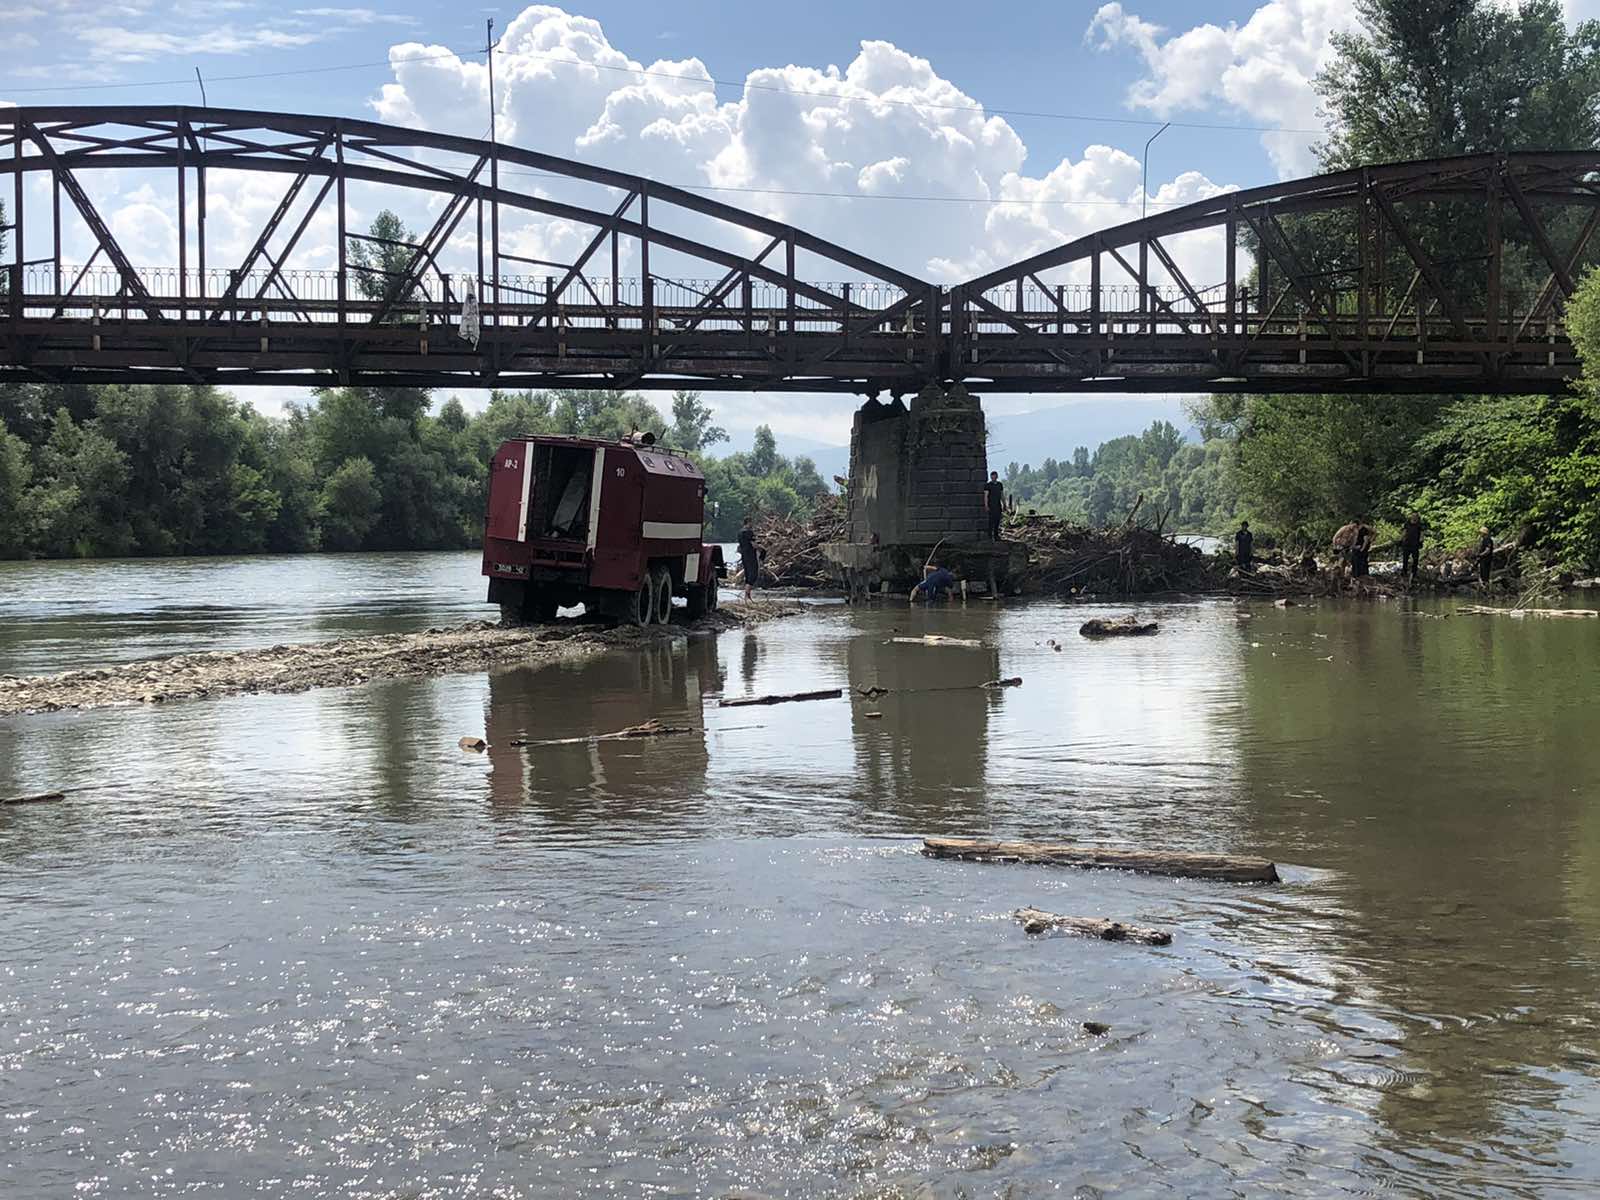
{"x":304,"y":945}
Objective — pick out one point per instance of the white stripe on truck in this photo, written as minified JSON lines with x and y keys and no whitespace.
{"x":669,"y":530}
{"x":527,"y":482}
{"x":595,"y":481}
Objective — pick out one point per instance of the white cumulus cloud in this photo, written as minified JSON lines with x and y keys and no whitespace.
{"x":883,"y":155}
{"x":1263,"y":69}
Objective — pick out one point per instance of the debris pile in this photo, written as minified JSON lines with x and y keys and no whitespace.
{"x":1064,"y":558}
{"x":1099,"y":627}
{"x":794,"y":545}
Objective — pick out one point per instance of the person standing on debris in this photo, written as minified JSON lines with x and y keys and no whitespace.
{"x":1244,"y":546}
{"x":749,"y":557}
{"x":1485,"y":554}
{"x":994,"y":500}
{"x":1361,"y":548}
{"x":1344,"y":546}
{"x":1410,"y":547}
{"x":937,"y":582}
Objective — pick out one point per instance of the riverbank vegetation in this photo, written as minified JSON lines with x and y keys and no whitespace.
{"x":1185,"y":487}
{"x":1468,"y":77}
{"x":161,"y":470}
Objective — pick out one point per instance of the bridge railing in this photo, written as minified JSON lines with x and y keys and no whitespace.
{"x":314,"y":295}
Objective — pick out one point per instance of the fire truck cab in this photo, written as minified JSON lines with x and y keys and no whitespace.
{"x":613,"y":525}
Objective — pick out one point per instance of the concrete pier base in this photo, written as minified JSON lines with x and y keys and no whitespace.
{"x":916,"y":483}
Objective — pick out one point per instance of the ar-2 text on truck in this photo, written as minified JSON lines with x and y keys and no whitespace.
{"x":614,"y":525}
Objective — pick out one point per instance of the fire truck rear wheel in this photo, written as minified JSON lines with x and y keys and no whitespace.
{"x":540,"y":606}
{"x":661,"y":589}
{"x":643,"y":607}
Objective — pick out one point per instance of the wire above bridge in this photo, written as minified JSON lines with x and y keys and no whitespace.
{"x":1440,"y":276}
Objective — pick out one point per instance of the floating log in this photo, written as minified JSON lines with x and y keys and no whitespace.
{"x":1223,"y":867}
{"x":936,"y":639}
{"x":828,"y":694}
{"x":876,"y":690}
{"x":1036,"y":920}
{"x":1097,"y":627}
{"x":648,"y":729}
{"x":1491,"y":611}
{"x":37,"y":798}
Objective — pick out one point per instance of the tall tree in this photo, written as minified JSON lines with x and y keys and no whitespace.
{"x":1426,"y":78}
{"x":380,"y":260}
{"x":692,"y":429}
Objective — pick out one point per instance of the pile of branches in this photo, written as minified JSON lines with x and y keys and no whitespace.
{"x":793,"y":544}
{"x":1124,"y":560}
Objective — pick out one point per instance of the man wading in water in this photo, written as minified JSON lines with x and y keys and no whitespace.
{"x":749,"y":558}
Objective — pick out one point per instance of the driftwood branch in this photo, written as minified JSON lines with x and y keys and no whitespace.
{"x":37,"y":798}
{"x":876,"y":690}
{"x":1222,"y":867}
{"x":1491,"y":611}
{"x":1036,"y":920}
{"x":649,"y":729}
{"x":828,"y":694}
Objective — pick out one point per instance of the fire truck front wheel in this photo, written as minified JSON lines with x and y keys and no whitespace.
{"x":661,"y":589}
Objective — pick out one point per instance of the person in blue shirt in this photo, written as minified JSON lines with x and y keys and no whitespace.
{"x":938,"y":582}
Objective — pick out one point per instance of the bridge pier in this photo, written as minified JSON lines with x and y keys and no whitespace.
{"x":916,"y":480}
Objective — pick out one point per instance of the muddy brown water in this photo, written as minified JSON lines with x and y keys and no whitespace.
{"x":303,"y":945}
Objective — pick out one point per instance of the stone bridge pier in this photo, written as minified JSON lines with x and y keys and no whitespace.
{"x":916,"y":489}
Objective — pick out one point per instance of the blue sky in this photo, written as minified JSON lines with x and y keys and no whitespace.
{"x":1069,"y":92}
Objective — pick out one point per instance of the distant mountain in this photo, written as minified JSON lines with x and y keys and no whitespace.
{"x":1032,"y":437}
{"x":830,"y":460}
{"x":1025,"y":437}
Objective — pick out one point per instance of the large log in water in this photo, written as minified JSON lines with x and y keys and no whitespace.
{"x":1036,"y":920}
{"x":1224,"y":867}
{"x":39,"y":798}
{"x":825,"y":694}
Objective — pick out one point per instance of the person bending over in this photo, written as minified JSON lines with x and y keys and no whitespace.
{"x":938,"y":582}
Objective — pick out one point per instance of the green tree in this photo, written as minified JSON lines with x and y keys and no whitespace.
{"x":692,"y":429}
{"x":380,"y":261}
{"x":1426,"y":78}
{"x":349,"y":505}
{"x":16,"y":472}
{"x":764,"y":453}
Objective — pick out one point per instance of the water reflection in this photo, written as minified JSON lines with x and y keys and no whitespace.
{"x":1440,"y":768}
{"x":587,"y":787}
{"x":656,"y":960}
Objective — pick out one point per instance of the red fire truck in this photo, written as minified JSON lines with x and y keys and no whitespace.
{"x":614,"y":525}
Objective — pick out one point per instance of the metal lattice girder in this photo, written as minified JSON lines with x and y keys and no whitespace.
{"x":1306,"y":290}
{"x":1301,"y":285}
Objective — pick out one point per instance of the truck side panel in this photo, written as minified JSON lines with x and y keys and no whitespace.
{"x":510,"y":481}
{"x":619,"y":560}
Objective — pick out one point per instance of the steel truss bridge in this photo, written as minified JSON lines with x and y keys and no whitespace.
{"x":1447,"y":275}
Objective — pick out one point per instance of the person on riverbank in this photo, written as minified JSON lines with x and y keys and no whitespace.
{"x":1410,"y":547}
{"x":934,"y":586}
{"x":1244,"y":547}
{"x":1485,"y":555}
{"x":1361,"y":549}
{"x":749,"y":558}
{"x":1344,"y":542}
{"x":994,"y":499}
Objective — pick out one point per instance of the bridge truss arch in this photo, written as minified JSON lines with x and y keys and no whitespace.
{"x":578,"y":276}
{"x":246,"y":267}
{"x":1446,"y":275}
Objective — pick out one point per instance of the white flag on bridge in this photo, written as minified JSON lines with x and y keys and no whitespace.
{"x":471,"y":329}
